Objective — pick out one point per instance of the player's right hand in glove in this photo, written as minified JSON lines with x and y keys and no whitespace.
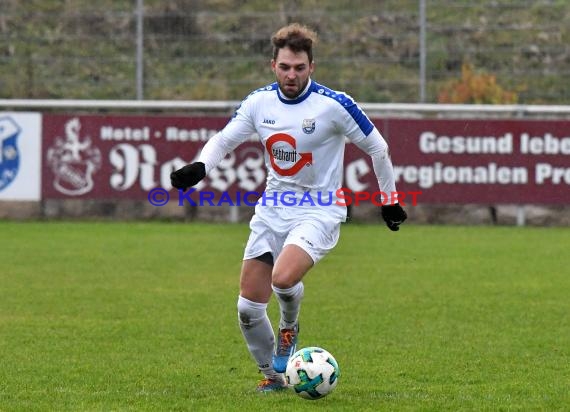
{"x":188,"y":176}
{"x":394,"y":216}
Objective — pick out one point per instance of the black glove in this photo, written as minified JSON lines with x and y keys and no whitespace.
{"x":188,"y":176}
{"x":394,"y":216}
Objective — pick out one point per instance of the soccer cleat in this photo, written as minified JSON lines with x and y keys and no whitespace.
{"x":271,"y":385}
{"x":286,"y":344}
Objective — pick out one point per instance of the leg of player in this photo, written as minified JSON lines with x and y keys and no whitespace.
{"x":255,"y":292}
{"x":291,"y":265}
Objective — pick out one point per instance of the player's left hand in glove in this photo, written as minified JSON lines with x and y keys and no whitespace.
{"x":188,"y":176}
{"x":394,"y":216}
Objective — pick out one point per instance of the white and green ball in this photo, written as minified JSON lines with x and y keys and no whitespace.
{"x":312,"y":372}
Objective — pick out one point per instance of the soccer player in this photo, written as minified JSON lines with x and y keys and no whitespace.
{"x":302,"y":125}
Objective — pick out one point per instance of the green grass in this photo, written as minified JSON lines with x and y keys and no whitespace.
{"x":142,"y":316}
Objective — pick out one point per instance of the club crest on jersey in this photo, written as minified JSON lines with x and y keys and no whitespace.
{"x":308,"y":126}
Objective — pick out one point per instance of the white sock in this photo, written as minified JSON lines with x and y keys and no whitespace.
{"x":289,"y":304}
{"x":258,"y":334}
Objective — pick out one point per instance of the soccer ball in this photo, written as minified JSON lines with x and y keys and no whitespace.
{"x":312,"y":372}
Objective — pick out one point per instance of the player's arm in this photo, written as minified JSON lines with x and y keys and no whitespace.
{"x":377,"y":148}
{"x":236,"y":131}
{"x":213,"y":152}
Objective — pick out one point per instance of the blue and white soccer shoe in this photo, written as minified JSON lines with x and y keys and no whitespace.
{"x":286,"y":345}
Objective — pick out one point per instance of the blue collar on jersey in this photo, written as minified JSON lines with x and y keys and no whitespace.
{"x":308,"y":90}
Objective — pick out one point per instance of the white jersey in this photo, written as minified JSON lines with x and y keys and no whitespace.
{"x":304,"y":141}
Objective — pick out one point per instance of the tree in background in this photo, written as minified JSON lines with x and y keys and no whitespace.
{"x":475,"y":88}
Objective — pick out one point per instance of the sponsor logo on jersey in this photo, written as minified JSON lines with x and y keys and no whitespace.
{"x":308,"y":126}
{"x":299,"y":160}
{"x":268,"y":121}
{"x":285,"y":155}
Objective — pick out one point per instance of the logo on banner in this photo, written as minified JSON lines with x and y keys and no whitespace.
{"x":9,"y":155}
{"x":73,"y":161}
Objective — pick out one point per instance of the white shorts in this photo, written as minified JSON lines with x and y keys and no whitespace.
{"x":272,"y":228}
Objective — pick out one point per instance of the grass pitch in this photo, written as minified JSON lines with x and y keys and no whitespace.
{"x":142,"y":317}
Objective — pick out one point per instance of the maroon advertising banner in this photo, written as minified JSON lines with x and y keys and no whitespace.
{"x":442,"y":161}
{"x":124,"y":157}
{"x":482,"y":161}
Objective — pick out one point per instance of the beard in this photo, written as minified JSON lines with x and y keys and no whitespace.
{"x":292,"y":91}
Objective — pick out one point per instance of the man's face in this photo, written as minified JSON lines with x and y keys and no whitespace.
{"x":292,"y":71}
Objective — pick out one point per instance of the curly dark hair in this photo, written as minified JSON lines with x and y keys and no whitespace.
{"x":295,"y":36}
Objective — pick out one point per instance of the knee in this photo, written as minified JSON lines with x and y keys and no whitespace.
{"x":282,"y":280}
{"x":283,"y":277}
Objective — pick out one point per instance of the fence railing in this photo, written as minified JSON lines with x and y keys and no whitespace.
{"x":476,"y":110}
{"x":389,"y":51}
